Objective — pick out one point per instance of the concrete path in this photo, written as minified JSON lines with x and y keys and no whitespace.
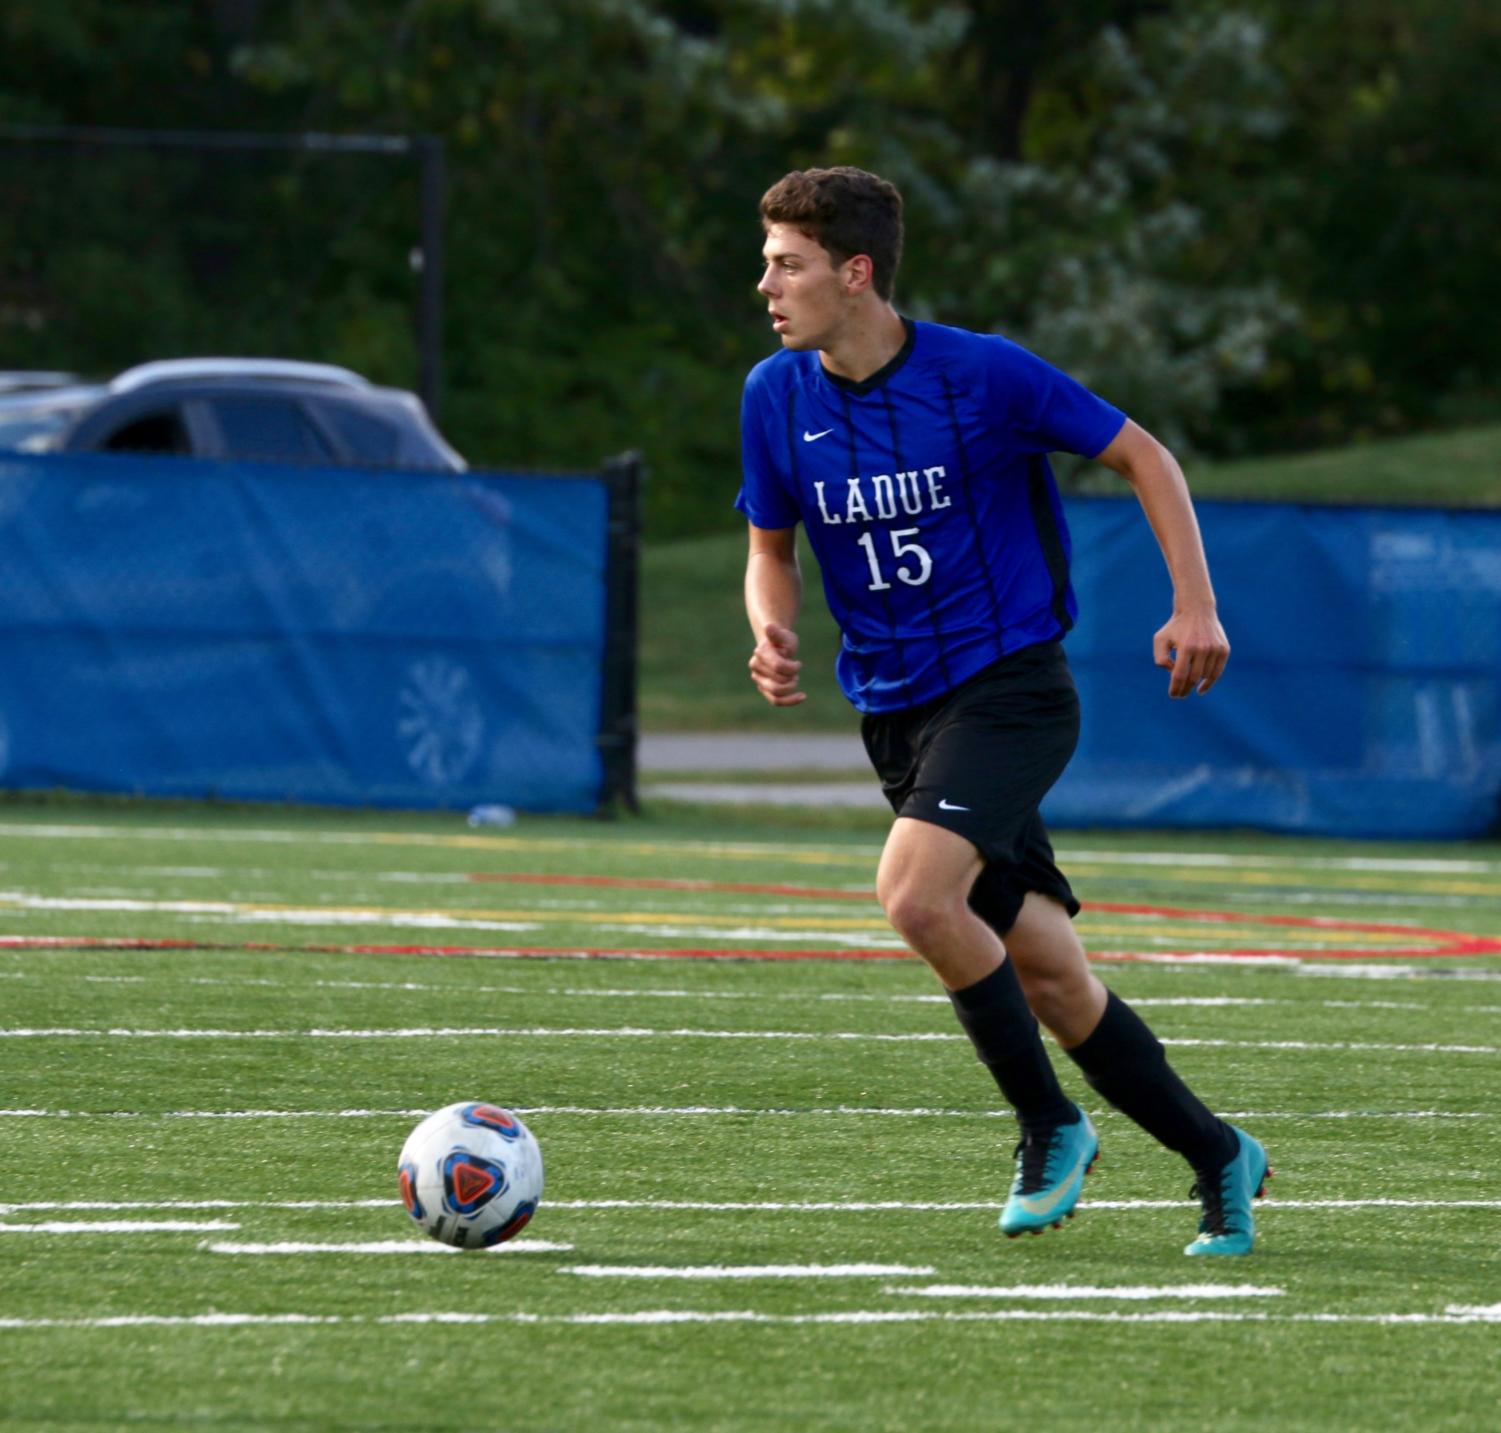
{"x":750,"y":751}
{"x":663,"y":754}
{"x":812,"y":793}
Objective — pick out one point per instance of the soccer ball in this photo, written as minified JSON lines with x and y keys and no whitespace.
{"x":471,"y":1175}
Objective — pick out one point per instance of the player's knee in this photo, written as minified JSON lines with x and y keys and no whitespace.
{"x":920,"y":918}
{"x":1049,"y":994}
{"x":1060,"y":995}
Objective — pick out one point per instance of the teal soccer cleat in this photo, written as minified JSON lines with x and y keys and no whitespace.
{"x":1049,"y":1175}
{"x":1228,"y":1226}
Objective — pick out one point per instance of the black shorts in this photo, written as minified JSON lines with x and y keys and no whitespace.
{"x":978,"y":761}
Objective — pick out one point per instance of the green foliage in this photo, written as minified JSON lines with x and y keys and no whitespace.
{"x":1101,"y":252}
{"x":1252,"y":223}
{"x":1386,"y":206}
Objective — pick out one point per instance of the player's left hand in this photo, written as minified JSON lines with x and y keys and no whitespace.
{"x":1193,"y":646}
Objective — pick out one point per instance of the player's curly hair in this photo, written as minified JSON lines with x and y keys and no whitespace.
{"x":845,"y":209}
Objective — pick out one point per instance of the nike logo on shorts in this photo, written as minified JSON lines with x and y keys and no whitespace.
{"x":945,"y":804}
{"x":814,"y":437}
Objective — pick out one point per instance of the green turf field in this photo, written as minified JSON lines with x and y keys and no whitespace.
{"x":772,"y":1182}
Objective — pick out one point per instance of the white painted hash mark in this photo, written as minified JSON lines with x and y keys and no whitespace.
{"x":1087,"y":1291}
{"x":762,"y":997}
{"x":742,"y":1271}
{"x":383,"y":1246}
{"x":822,"y":855}
{"x":1454,"y":1315}
{"x":888,"y":1206}
{"x":690,"y":1111}
{"x":432,"y":1032}
{"x":212,"y":1114}
{"x":439,"y":1032}
{"x":117,"y":1226}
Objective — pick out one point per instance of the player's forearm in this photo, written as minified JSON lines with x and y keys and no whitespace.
{"x":1160,"y":487}
{"x":773,"y":591}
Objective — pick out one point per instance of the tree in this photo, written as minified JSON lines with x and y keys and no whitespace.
{"x":1250,"y":222}
{"x":1109,"y":246}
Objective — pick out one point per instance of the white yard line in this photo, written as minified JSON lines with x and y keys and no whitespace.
{"x":896,"y":1206}
{"x":431,"y":1032}
{"x":706,"y":1111}
{"x":1418,"y":865}
{"x":1120,"y":961}
{"x":966,"y":1206}
{"x":466,"y":992}
{"x":1336,"y":970}
{"x":42,"y":1205}
{"x":382,"y":1246}
{"x":461,"y":840}
{"x":214,"y":1114}
{"x":745,"y":1271}
{"x":843,"y":929}
{"x":1129,"y":1292}
{"x":458,"y":841}
{"x":229,"y":913}
{"x":1454,"y":1314}
{"x":632,"y":1032}
{"x":118,"y":1226}
{"x":1322,"y":899}
{"x":1335,"y":1045}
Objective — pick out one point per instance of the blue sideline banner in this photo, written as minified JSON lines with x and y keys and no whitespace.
{"x":276,"y":633}
{"x":1363,"y":695}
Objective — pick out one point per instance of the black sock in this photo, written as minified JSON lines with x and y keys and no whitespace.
{"x":1124,"y":1062}
{"x":994,"y":1014}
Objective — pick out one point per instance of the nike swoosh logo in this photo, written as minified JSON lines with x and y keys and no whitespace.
{"x":814,"y":437}
{"x":1044,"y":1207}
{"x":946,"y":805}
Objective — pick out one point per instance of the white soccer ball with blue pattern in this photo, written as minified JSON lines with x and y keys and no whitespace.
{"x":471,"y":1175}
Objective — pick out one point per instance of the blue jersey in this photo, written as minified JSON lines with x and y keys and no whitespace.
{"x":928,"y":500}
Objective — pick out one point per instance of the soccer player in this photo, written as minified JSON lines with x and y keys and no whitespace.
{"x":916,"y":456}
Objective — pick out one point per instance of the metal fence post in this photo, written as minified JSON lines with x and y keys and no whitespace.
{"x":623,"y":477}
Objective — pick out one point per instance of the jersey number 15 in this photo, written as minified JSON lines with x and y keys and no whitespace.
{"x":899,"y":549}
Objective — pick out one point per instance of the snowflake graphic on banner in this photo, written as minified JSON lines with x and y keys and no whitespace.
{"x":441,"y":725}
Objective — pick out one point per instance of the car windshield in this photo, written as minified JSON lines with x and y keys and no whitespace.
{"x":35,"y":427}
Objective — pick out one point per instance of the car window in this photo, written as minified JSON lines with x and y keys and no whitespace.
{"x":160,"y":432}
{"x":267,"y":428}
{"x":364,"y":436}
{"x":33,"y":429}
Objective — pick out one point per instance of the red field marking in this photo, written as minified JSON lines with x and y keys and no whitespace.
{"x":1302,"y":922}
{"x":483,"y":952}
{"x":1332,"y":923}
{"x":1459,"y":945}
{"x":109,"y":942}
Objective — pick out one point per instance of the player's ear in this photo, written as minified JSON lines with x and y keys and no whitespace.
{"x":858,"y":273}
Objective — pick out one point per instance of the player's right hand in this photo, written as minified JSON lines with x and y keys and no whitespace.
{"x":774,"y":666}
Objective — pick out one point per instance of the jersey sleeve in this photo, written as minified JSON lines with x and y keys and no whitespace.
{"x":1045,"y":409}
{"x":763,"y":496}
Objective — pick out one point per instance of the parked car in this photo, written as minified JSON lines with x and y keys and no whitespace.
{"x":259,"y":408}
{"x":20,"y":380}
